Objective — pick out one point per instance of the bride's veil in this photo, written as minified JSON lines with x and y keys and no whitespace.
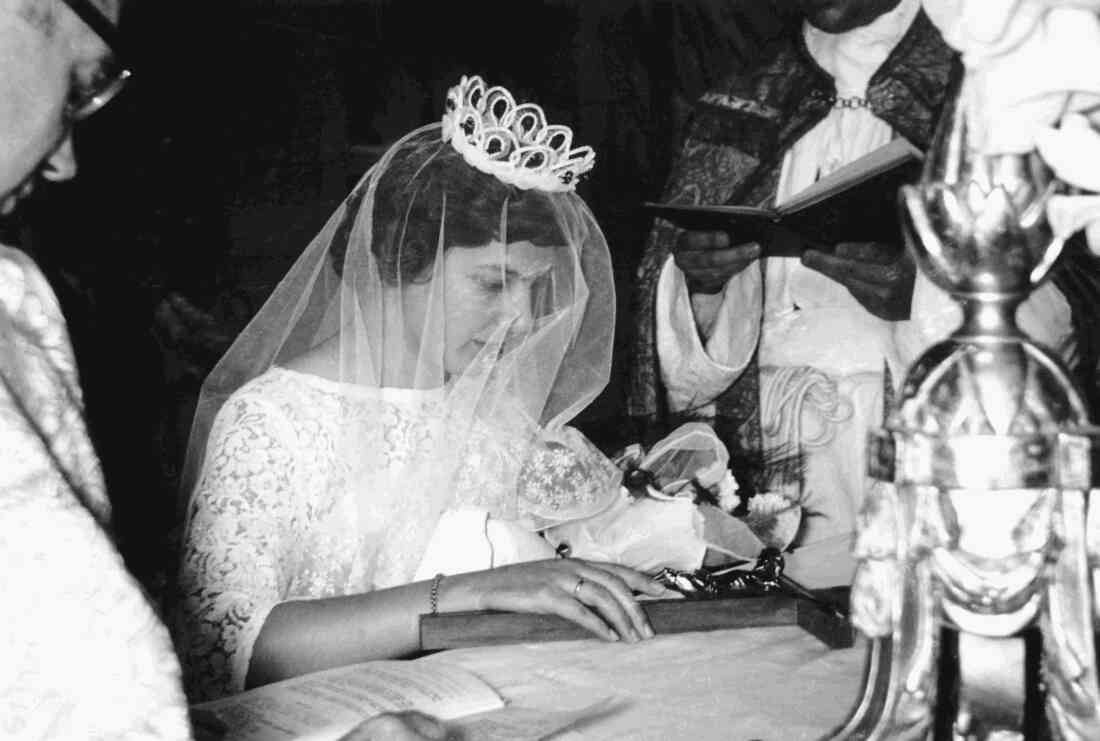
{"x":485,"y":304}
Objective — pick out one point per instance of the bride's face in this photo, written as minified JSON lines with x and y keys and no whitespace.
{"x":490,"y":293}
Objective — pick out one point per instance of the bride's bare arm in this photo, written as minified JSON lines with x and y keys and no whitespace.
{"x":309,"y":635}
{"x":301,"y":636}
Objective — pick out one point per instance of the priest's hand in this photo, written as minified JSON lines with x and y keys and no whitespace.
{"x":407,"y":726}
{"x":597,"y":596}
{"x":879,"y":276}
{"x":708,"y":260}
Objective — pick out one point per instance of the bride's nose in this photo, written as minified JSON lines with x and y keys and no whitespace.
{"x":518,"y":311}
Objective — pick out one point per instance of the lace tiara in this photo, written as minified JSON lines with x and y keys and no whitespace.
{"x":512,"y":141}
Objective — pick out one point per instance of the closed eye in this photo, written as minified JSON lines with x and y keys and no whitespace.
{"x":491,"y":285}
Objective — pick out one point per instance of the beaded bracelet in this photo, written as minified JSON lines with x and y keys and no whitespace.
{"x":434,"y":598}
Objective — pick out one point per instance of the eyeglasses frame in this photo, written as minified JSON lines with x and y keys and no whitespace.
{"x":94,"y":18}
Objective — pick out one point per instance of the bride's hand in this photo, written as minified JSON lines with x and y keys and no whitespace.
{"x":596,"y":596}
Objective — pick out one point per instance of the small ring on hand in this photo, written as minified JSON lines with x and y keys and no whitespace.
{"x":577,"y":589}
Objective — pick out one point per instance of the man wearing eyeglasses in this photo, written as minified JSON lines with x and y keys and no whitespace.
{"x":61,"y":63}
{"x":82,"y":653}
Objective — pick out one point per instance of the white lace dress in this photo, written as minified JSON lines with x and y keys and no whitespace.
{"x":82,"y":653}
{"x":284,"y":510}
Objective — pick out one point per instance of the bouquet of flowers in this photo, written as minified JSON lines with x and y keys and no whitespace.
{"x":679,"y":508}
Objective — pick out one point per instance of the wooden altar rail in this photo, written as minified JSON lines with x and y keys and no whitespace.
{"x":486,"y":628}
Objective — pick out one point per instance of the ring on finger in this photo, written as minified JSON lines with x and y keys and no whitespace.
{"x":577,"y":588}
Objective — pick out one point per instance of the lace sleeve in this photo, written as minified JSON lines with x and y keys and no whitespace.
{"x":237,"y":552}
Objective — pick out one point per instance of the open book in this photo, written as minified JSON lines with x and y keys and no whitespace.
{"x":326,"y":705}
{"x":856,"y":203}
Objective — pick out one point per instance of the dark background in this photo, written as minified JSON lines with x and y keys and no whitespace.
{"x":246,"y":124}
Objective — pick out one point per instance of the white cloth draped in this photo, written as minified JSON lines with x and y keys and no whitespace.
{"x":1031,"y":63}
{"x":1028,"y":63}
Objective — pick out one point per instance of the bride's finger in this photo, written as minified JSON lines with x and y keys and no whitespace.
{"x":620,"y":592}
{"x":610,"y":601}
{"x":565,"y":605}
{"x":636,"y":580}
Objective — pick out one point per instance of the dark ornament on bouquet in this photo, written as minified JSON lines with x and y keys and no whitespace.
{"x":637,"y":481}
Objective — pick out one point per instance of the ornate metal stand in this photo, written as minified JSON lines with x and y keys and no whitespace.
{"x":976,"y":553}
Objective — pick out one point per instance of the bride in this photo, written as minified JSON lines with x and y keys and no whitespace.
{"x":397,"y":411}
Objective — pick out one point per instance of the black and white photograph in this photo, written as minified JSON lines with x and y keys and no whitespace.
{"x":550,"y":370}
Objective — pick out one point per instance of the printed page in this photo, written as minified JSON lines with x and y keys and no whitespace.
{"x":325,"y":705}
{"x":532,"y":724}
{"x":895,"y":153}
{"x":682,"y":213}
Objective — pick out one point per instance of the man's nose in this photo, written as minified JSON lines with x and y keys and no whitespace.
{"x":61,"y":164}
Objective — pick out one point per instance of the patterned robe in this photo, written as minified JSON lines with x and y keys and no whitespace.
{"x":82,"y":652}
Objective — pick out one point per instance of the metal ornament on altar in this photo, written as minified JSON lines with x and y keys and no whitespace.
{"x":975,"y":550}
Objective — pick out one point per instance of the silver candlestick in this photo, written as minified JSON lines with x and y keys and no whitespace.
{"x":976,"y":548}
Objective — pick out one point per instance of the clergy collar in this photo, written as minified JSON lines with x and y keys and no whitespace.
{"x":852,"y":57}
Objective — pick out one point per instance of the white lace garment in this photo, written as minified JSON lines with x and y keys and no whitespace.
{"x":278,"y":515}
{"x":82,"y":653}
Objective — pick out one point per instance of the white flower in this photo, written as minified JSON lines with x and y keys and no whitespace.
{"x":768,"y":503}
{"x":774,"y":518}
{"x":718,"y":480}
{"x":727,"y":492}
{"x":1073,"y":152}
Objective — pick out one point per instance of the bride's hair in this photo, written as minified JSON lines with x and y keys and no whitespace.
{"x":427,"y":192}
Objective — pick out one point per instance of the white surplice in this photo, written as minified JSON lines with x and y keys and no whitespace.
{"x":82,"y":652}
